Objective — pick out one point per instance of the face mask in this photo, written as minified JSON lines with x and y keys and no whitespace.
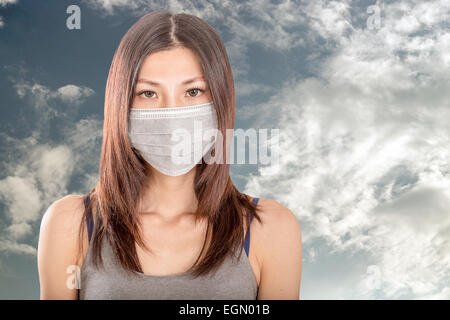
{"x":173,"y":140}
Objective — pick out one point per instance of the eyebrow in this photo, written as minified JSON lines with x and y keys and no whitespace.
{"x":148,"y":81}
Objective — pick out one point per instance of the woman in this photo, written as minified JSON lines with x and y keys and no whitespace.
{"x":157,"y":229}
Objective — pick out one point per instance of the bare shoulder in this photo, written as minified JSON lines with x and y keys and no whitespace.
{"x":279,"y":250}
{"x":277,"y":220}
{"x":63,"y":214}
{"x":58,"y":246}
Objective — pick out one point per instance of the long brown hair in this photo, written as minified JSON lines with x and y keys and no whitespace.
{"x":114,"y":200}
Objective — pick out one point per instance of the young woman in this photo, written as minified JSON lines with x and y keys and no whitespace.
{"x":157,"y":229}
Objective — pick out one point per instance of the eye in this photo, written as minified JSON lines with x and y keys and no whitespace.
{"x":146,"y":93}
{"x":195,"y":90}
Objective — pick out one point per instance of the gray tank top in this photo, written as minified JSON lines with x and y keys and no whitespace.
{"x":234,"y":279}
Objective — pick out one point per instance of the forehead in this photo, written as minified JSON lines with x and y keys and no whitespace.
{"x":173,"y":63}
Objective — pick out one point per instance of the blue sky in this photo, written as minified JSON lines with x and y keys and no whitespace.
{"x":362,"y":106}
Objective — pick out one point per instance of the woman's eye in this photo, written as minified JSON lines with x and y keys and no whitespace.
{"x":150,"y":94}
{"x":194,"y":90}
{"x":146,"y":93}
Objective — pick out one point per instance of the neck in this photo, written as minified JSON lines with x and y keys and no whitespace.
{"x":168,"y":198}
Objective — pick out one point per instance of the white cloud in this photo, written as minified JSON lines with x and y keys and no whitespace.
{"x":21,"y":248}
{"x":272,"y":27}
{"x":245,"y":88}
{"x":22,"y":197}
{"x":73,"y":94}
{"x":41,"y":171}
{"x":329,"y":18}
{"x":52,"y":104}
{"x":364,"y":153}
{"x":109,"y":5}
{"x":41,"y":174}
{"x":42,"y":95}
{"x":4,"y":3}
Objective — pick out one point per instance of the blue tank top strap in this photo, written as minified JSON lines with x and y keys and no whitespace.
{"x":247,"y":235}
{"x":89,"y":220}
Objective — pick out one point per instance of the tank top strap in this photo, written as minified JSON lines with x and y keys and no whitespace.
{"x":247,"y":235}
{"x":89,"y":219}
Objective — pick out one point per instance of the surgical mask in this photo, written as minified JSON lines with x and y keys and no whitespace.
{"x":173,"y":140}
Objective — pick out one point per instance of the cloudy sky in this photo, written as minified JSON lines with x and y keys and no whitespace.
{"x":359,"y":90}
